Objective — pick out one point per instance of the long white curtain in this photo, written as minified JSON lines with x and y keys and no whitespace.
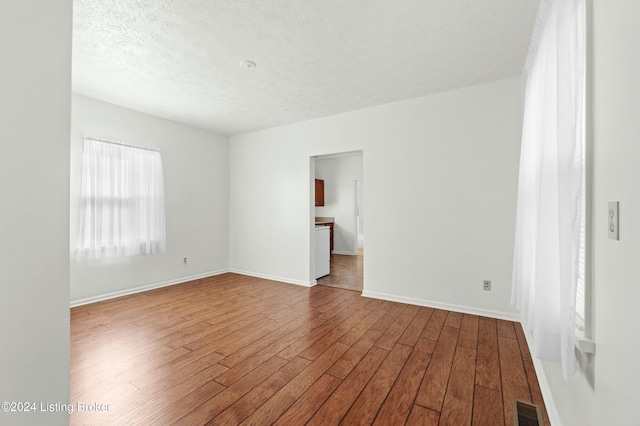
{"x":546,"y":258}
{"x":122,"y":201}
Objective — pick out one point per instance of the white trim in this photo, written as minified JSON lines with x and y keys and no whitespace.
{"x":446,"y":306}
{"x":345,"y":253}
{"x":584,"y":344}
{"x":128,"y":291}
{"x":549,"y":402}
{"x":273,"y":278}
{"x":589,"y":103}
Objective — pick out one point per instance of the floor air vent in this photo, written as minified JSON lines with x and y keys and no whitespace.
{"x":525,"y":414}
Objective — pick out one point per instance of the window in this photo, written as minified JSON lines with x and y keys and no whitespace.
{"x":550,"y":189}
{"x":581,"y":320}
{"x":122,"y":201}
{"x":580,"y":287}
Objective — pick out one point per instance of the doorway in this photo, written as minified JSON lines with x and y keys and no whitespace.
{"x":360,"y":217}
{"x":340,"y":177}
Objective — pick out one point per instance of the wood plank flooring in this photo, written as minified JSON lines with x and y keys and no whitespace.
{"x":346,"y":271}
{"x":233,"y":349}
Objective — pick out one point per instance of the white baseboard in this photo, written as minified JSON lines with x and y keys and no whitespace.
{"x":549,"y":403}
{"x":125,"y":292}
{"x":346,"y":253}
{"x":439,"y":305}
{"x":274,"y":278}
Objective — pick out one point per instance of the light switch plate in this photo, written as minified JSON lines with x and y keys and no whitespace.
{"x":614,"y":220}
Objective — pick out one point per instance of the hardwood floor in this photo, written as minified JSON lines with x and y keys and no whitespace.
{"x":346,"y":272}
{"x":233,"y":349}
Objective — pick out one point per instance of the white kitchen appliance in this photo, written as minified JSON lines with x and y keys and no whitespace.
{"x":323,"y":251}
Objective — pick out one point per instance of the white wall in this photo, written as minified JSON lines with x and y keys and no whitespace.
{"x":340,"y":175}
{"x":196,"y":175}
{"x":606,"y":391}
{"x":441,"y":176}
{"x":35,"y":87}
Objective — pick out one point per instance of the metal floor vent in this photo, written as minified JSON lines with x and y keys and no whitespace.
{"x":525,"y":414}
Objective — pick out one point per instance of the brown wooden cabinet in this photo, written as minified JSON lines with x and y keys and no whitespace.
{"x":319,"y":192}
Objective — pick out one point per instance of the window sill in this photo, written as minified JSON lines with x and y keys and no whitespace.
{"x":585,"y":344}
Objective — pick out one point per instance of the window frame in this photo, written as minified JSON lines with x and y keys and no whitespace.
{"x":584,"y":322}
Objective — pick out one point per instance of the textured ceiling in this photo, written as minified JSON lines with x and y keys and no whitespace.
{"x":180,"y":59}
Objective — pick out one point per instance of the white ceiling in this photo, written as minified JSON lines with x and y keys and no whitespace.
{"x":181,"y":59}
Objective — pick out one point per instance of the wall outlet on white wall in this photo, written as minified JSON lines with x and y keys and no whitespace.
{"x":614,"y":220}
{"x":486,"y":285}
{"x":184,"y":261}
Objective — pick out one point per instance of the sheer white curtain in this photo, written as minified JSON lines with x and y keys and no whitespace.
{"x":549,"y":209}
{"x":122,"y":201}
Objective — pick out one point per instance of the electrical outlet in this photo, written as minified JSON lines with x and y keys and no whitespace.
{"x":486,"y":285}
{"x":614,"y":220}
{"x":184,"y":262}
